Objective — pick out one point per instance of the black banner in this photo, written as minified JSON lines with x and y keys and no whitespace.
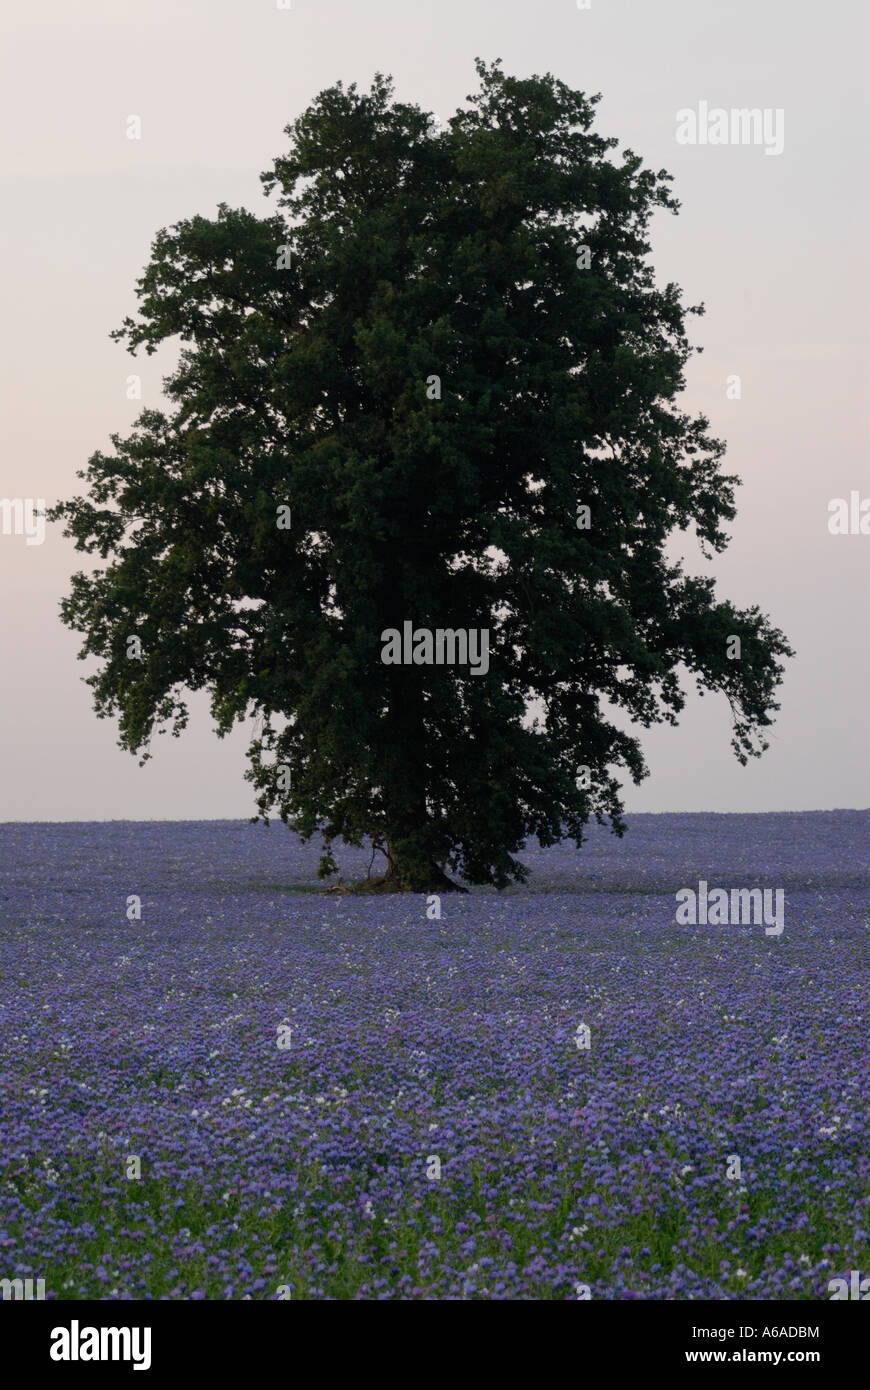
{"x":162,"y":1338}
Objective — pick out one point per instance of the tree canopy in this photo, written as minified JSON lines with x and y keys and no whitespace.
{"x":436,"y":386}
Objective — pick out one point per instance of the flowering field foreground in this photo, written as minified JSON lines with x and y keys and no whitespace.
{"x":431,"y":1127}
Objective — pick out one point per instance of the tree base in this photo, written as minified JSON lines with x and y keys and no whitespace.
{"x":435,"y":882}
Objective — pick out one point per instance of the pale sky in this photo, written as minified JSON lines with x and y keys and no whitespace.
{"x":774,"y":245}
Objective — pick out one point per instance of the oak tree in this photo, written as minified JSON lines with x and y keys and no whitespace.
{"x":436,"y":385}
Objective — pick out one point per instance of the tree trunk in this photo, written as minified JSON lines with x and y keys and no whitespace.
{"x":411,"y":863}
{"x":408,"y":872}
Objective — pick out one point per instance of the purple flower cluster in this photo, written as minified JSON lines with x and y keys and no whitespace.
{"x":156,"y":1141}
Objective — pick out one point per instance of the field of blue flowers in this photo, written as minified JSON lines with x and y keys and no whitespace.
{"x":309,"y":1170}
